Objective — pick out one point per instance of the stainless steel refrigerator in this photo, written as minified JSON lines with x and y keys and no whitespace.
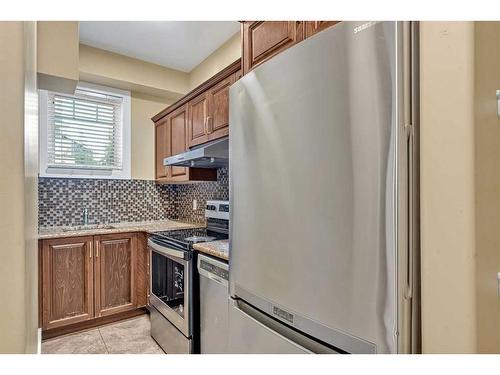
{"x":323,"y":189}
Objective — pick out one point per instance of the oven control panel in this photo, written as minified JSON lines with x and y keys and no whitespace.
{"x":217,"y":210}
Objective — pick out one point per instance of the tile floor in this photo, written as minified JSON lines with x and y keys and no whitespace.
{"x":130,"y":336}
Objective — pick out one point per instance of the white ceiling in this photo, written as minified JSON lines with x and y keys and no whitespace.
{"x":180,"y":45}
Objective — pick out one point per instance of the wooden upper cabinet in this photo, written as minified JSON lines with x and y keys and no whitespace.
{"x":199,"y":117}
{"x":161,"y":151}
{"x":177,"y":140}
{"x":178,"y":129}
{"x":238,"y":75}
{"x":264,"y":39}
{"x":115,"y":271}
{"x":313,"y":27}
{"x":67,"y":281}
{"x":218,"y":103}
{"x":198,"y":120}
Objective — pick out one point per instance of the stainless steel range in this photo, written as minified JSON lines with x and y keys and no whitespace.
{"x":173,"y":286}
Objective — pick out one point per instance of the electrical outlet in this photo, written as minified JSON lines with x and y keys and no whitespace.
{"x":195,"y":204}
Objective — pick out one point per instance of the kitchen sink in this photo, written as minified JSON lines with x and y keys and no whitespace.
{"x":88,"y":227}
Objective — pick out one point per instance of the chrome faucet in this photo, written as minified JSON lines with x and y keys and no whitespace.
{"x":85,"y":216}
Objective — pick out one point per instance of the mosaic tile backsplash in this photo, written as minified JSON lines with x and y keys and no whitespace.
{"x":62,"y":200}
{"x":201,"y":191}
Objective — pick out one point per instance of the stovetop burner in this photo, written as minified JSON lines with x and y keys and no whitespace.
{"x":196,"y":239}
{"x":185,"y":238}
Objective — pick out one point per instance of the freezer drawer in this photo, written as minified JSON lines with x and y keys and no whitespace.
{"x":252,"y":332}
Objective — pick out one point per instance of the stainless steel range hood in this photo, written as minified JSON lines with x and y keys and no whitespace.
{"x":211,"y":155}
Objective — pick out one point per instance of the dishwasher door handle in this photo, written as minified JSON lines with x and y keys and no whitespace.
{"x":211,"y":276}
{"x":207,"y":264}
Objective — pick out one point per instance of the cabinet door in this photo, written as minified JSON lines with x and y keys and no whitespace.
{"x":197,"y":120}
{"x":264,"y":39}
{"x":161,"y":149}
{"x":115,"y":272}
{"x":177,"y":141}
{"x":67,"y":281}
{"x":218,"y":120}
{"x":313,"y":27}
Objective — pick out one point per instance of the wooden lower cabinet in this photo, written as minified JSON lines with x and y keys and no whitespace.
{"x":67,"y":279}
{"x":142,"y":273}
{"x":92,"y":277}
{"x":115,"y":272}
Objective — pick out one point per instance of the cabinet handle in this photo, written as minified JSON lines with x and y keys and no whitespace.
{"x":205,"y":126}
{"x":97,"y":250}
{"x":90,"y":252}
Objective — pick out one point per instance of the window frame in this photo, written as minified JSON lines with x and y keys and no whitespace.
{"x":124,"y":173}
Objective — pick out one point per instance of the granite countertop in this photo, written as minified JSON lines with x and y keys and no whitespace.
{"x":219,"y":249}
{"x":139,"y":226}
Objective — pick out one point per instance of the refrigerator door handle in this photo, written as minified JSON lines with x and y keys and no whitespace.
{"x":410,"y":255}
{"x":300,"y":340}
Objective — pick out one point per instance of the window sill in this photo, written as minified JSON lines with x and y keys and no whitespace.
{"x":85,"y":173}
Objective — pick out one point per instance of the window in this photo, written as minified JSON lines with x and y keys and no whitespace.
{"x":86,"y":134}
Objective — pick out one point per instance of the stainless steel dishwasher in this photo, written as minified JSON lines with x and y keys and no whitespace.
{"x":214,"y":304}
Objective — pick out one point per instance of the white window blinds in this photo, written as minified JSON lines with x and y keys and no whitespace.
{"x":84,"y":131}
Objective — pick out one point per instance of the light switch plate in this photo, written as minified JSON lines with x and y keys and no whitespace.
{"x":195,"y":204}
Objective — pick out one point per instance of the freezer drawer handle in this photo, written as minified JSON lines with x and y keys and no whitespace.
{"x":300,"y":340}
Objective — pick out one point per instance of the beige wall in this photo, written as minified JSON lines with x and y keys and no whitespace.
{"x":17,"y":319}
{"x":447,"y":187}
{"x":57,"y":55}
{"x":143,"y":157}
{"x":226,"y":54}
{"x":115,"y":70}
{"x":153,"y":88}
{"x":487,"y":142}
{"x":12,"y":322}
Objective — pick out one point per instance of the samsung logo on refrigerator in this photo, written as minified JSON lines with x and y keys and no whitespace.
{"x":364,"y":26}
{"x":283,"y":314}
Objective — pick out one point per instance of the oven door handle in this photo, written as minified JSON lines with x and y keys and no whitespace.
{"x":166,"y":250}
